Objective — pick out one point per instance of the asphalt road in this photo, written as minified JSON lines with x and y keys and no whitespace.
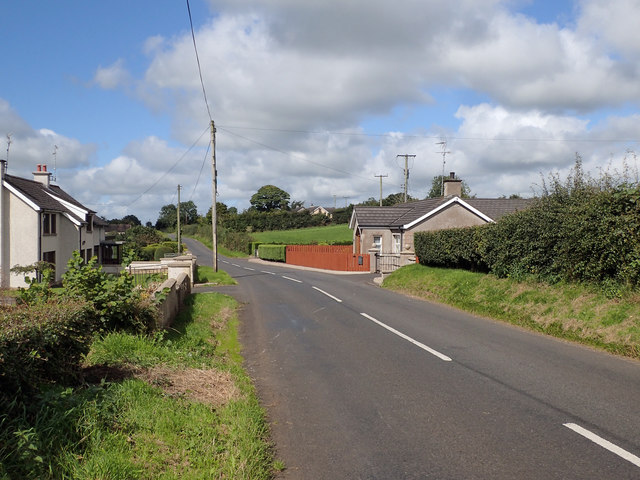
{"x":363,"y":383}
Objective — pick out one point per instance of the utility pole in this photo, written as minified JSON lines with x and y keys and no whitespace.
{"x":214,"y":187}
{"x":381,"y":176}
{"x":444,"y":154}
{"x":406,"y":173}
{"x":346,"y":199}
{"x":179,"y":186}
{"x":334,"y":202}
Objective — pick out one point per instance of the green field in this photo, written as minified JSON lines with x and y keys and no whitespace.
{"x":332,"y":234}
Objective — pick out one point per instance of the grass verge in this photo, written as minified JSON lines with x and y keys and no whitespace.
{"x":575,"y":312}
{"x":176,"y":405}
{"x":205,"y":274}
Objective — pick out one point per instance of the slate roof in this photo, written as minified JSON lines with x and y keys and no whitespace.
{"x":404,"y":213}
{"x":39,"y":194}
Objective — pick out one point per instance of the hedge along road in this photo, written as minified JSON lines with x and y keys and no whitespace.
{"x":360,"y":382}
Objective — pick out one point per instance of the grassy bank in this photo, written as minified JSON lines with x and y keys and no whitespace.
{"x":303,"y":236}
{"x":576,"y":312}
{"x":177,"y":405}
{"x":205,"y":274}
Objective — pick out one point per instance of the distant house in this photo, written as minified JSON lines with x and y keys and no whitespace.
{"x":41,"y":222}
{"x":319,"y":210}
{"x":390,"y":230}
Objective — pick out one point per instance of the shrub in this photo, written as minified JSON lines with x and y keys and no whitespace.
{"x":579,"y":230}
{"x":117,"y":301}
{"x":275,"y":253}
{"x":455,"y":248}
{"x":44,"y":342}
{"x":161,"y":251}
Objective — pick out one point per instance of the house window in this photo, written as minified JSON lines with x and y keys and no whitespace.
{"x":377,"y":242}
{"x":88,"y":255}
{"x":396,"y":243}
{"x":49,"y":257}
{"x":90,"y":223}
{"x":49,"y":223}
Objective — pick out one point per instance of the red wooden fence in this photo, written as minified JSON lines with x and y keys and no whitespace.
{"x":327,"y":257}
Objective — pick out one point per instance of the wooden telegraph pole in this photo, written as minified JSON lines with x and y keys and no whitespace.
{"x":214,"y":213}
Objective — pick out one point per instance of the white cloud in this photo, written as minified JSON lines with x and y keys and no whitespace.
{"x":30,"y":147}
{"x":613,"y":22}
{"x":113,"y":76}
{"x":291,"y":83}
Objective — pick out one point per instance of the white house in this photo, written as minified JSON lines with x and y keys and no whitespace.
{"x":41,"y":222}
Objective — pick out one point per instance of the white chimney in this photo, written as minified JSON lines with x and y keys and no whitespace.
{"x":41,"y":175}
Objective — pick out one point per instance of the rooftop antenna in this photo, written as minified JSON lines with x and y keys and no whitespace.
{"x":444,"y":156}
{"x":55,"y":161}
{"x":8,"y":145}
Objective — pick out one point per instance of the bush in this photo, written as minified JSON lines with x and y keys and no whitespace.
{"x":44,"y":342}
{"x":455,"y":248}
{"x":276,"y":253}
{"x":579,"y":230}
{"x":116,"y":300}
{"x":161,"y":251}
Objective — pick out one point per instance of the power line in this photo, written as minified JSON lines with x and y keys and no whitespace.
{"x":195,"y":48}
{"x":170,"y":169}
{"x":206,"y":154}
{"x":289,"y":154}
{"x":395,"y":135}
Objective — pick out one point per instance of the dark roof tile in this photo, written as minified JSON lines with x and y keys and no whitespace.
{"x":405,"y":213}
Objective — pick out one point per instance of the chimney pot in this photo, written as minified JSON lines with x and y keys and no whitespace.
{"x":452,"y":175}
{"x":39,"y":169}
{"x":44,"y":167}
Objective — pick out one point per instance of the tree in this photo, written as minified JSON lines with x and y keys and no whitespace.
{"x":269,"y":198}
{"x":388,"y":201}
{"x":223,"y":212}
{"x":131,"y":220}
{"x":395,"y":198}
{"x":436,"y":188}
{"x":188,"y":213}
{"x":297,"y":204}
{"x":168,"y":217}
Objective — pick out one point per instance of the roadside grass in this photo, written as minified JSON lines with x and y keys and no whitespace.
{"x":205,"y":274}
{"x":176,"y":405}
{"x":577,"y":312}
{"x":330,"y":234}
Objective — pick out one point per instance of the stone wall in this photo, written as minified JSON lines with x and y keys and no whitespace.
{"x":172,"y":292}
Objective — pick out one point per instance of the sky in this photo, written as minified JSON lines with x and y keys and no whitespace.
{"x":316,"y":97}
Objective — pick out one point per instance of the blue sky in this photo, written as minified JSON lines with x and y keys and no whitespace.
{"x":315,"y":97}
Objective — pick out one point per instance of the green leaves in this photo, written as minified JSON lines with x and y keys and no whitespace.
{"x":578,"y":231}
{"x":269,"y":198}
{"x":275,"y":253}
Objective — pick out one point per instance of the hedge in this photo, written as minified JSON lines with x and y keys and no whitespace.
{"x":43,"y":343}
{"x":279,"y":220}
{"x":275,"y":253}
{"x":586,"y":233}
